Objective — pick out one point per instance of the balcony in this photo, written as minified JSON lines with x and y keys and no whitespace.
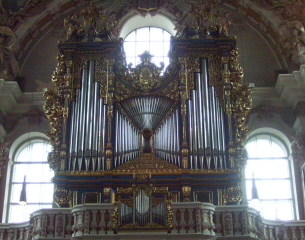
{"x":189,"y":220}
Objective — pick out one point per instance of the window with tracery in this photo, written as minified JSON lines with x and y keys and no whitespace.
{"x":30,"y":160}
{"x":270,"y":168}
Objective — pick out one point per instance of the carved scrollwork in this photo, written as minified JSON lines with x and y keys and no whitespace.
{"x":241,"y":105}
{"x":63,"y":197}
{"x":232,"y":195}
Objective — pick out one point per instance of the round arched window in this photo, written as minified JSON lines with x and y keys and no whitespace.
{"x":152,"y":39}
{"x":269,"y":170}
{"x":30,"y":164}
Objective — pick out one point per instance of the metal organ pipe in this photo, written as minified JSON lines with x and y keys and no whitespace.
{"x":206,"y":135}
{"x":87,"y":125}
{"x":127,"y":144}
{"x":167,"y":140}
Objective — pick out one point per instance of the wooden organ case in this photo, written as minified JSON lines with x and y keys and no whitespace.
{"x":142,"y":138}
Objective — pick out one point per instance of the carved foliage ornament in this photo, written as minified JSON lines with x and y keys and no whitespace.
{"x":54,"y":110}
{"x":241,"y":105}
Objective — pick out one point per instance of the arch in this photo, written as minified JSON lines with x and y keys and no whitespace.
{"x":138,"y":21}
{"x":270,"y":170}
{"x":28,"y":154}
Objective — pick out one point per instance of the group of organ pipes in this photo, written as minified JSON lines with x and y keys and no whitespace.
{"x":186,"y":124}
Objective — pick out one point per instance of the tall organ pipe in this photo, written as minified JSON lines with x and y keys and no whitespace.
{"x":206,"y":136}
{"x":87,"y":125}
{"x":127,"y":144}
{"x":167,"y":139}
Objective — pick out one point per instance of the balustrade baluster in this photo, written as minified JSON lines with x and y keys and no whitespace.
{"x":93,"y":224}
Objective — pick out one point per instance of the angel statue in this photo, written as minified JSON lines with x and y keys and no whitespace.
{"x":9,"y":45}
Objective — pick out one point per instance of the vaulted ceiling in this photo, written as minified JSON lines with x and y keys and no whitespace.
{"x":270,"y":33}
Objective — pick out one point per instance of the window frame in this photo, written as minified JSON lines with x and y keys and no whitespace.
{"x":282,"y":141}
{"x":17,"y":147}
{"x":150,"y":42}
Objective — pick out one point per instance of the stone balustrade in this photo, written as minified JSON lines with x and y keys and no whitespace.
{"x":192,"y":219}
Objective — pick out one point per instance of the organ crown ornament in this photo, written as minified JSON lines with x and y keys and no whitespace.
{"x":146,"y":75}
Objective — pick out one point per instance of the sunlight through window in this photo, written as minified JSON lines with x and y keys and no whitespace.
{"x":269,"y":164}
{"x":152,"y":39}
{"x":31,"y":161}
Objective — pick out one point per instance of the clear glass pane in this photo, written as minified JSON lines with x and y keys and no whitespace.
{"x":268,"y":210}
{"x":34,"y":152}
{"x":270,"y":189}
{"x":129,"y":48}
{"x":40,"y":193}
{"x":142,"y":34}
{"x":285,"y":210}
{"x":142,"y":47}
{"x":156,"y":34}
{"x":35,"y":193}
{"x":264,"y":148}
{"x":275,"y":168}
{"x":33,"y":172}
{"x":157,"y":49}
{"x":154,"y":40}
{"x":15,"y":193}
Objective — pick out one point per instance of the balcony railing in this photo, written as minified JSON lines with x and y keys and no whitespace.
{"x":188,"y":218}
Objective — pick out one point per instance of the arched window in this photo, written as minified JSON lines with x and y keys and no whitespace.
{"x":152,"y":39}
{"x":30,"y":161}
{"x":269,"y":170}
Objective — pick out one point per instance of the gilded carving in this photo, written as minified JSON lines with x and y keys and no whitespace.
{"x":170,"y":217}
{"x":232,"y":195}
{"x":186,"y":191}
{"x":147,"y":163}
{"x":115,"y":217}
{"x":91,"y":22}
{"x":63,"y":197}
{"x":203,"y":19}
{"x":241,"y":105}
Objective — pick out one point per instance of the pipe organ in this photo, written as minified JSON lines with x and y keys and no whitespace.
{"x":141,"y":138}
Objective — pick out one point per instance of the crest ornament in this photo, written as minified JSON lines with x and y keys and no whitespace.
{"x":146,"y":75}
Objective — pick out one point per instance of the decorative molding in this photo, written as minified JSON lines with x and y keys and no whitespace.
{"x":4,"y":152}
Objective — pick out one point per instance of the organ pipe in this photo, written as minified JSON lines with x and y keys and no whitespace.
{"x":206,"y":135}
{"x":168,"y":139}
{"x":87,"y":125}
{"x":127,"y":144}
